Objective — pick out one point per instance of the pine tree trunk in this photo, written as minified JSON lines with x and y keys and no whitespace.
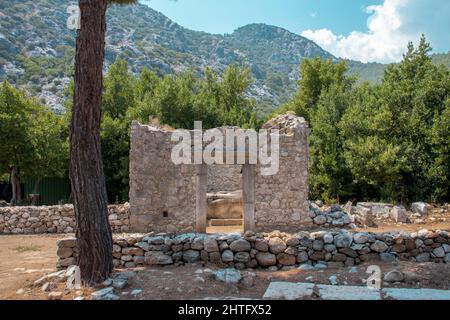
{"x":86,"y":168}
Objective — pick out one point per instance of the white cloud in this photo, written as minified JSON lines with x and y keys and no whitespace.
{"x":391,"y":26}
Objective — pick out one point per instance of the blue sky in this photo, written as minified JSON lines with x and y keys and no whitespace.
{"x":224,"y":16}
{"x":365,"y":30}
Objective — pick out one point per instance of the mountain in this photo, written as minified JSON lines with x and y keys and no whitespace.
{"x":37,"y":50}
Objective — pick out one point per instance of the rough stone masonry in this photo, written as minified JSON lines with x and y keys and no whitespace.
{"x":322,"y":249}
{"x":55,"y":219}
{"x":166,"y":197}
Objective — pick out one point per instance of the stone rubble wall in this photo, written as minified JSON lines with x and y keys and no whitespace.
{"x":274,"y":250}
{"x":55,"y":219}
{"x":281,"y":200}
{"x":162,"y":194}
{"x":224,"y":178}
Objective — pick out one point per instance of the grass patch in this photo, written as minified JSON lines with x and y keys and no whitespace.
{"x":27,"y":248}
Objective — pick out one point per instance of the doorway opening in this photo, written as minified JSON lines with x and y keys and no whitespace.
{"x":225,"y":198}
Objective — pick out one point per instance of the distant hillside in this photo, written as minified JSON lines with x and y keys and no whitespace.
{"x":37,"y":50}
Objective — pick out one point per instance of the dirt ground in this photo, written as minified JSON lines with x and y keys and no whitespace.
{"x":25,"y":258}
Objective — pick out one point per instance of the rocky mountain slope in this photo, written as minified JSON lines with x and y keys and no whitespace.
{"x":37,"y":49}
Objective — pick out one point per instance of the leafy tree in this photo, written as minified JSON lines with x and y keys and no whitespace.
{"x":35,"y":139}
{"x":118,"y":91}
{"x":16,"y":149}
{"x":50,"y":145}
{"x":317,"y":76}
{"x":328,"y":172}
{"x":118,"y":97}
{"x":393,"y":132}
{"x":440,"y":169}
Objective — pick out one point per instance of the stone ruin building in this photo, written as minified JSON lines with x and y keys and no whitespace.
{"x":165,"y":197}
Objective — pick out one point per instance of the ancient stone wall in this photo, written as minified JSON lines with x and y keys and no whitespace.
{"x":281,"y":200}
{"x":320,"y":249}
{"x":54,"y":219}
{"x":224,"y":178}
{"x":162,"y":194}
{"x":166,"y":197}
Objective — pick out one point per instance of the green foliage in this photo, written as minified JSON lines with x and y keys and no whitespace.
{"x":317,"y":76}
{"x":328,"y":173}
{"x":378,"y":142}
{"x":34,"y":139}
{"x":175,"y":101}
{"x":118,"y":90}
{"x":179,"y":101}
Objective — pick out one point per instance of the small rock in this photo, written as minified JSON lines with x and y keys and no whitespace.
{"x":420,"y":208}
{"x":423,"y":257}
{"x":361,"y":237}
{"x":394,"y":276}
{"x":439,"y":252}
{"x":276,"y":245}
{"x":302,"y":257}
{"x":306,"y":267}
{"x":240,"y":245}
{"x":228,"y":275}
{"x":107,"y":283}
{"x":191,"y":256}
{"x":387,"y":257}
{"x":343,"y":241}
{"x":266,"y":259}
{"x":333,"y":280}
{"x":353,"y":270}
{"x":328,"y":238}
{"x":286,"y":259}
{"x":158,"y":258}
{"x":211,"y":245}
{"x":101,"y":294}
{"x":55,"y":295}
{"x":379,"y":246}
{"x":320,"y":220}
{"x":47,"y":287}
{"x":261,"y":245}
{"x":227,"y":256}
{"x":119,"y":283}
{"x":136,"y":292}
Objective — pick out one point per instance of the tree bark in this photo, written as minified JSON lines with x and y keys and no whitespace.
{"x":94,"y":238}
{"x":15,"y":185}
{"x":34,"y":199}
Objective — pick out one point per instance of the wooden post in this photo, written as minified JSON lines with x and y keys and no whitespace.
{"x":201,"y":205}
{"x":248,"y":195}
